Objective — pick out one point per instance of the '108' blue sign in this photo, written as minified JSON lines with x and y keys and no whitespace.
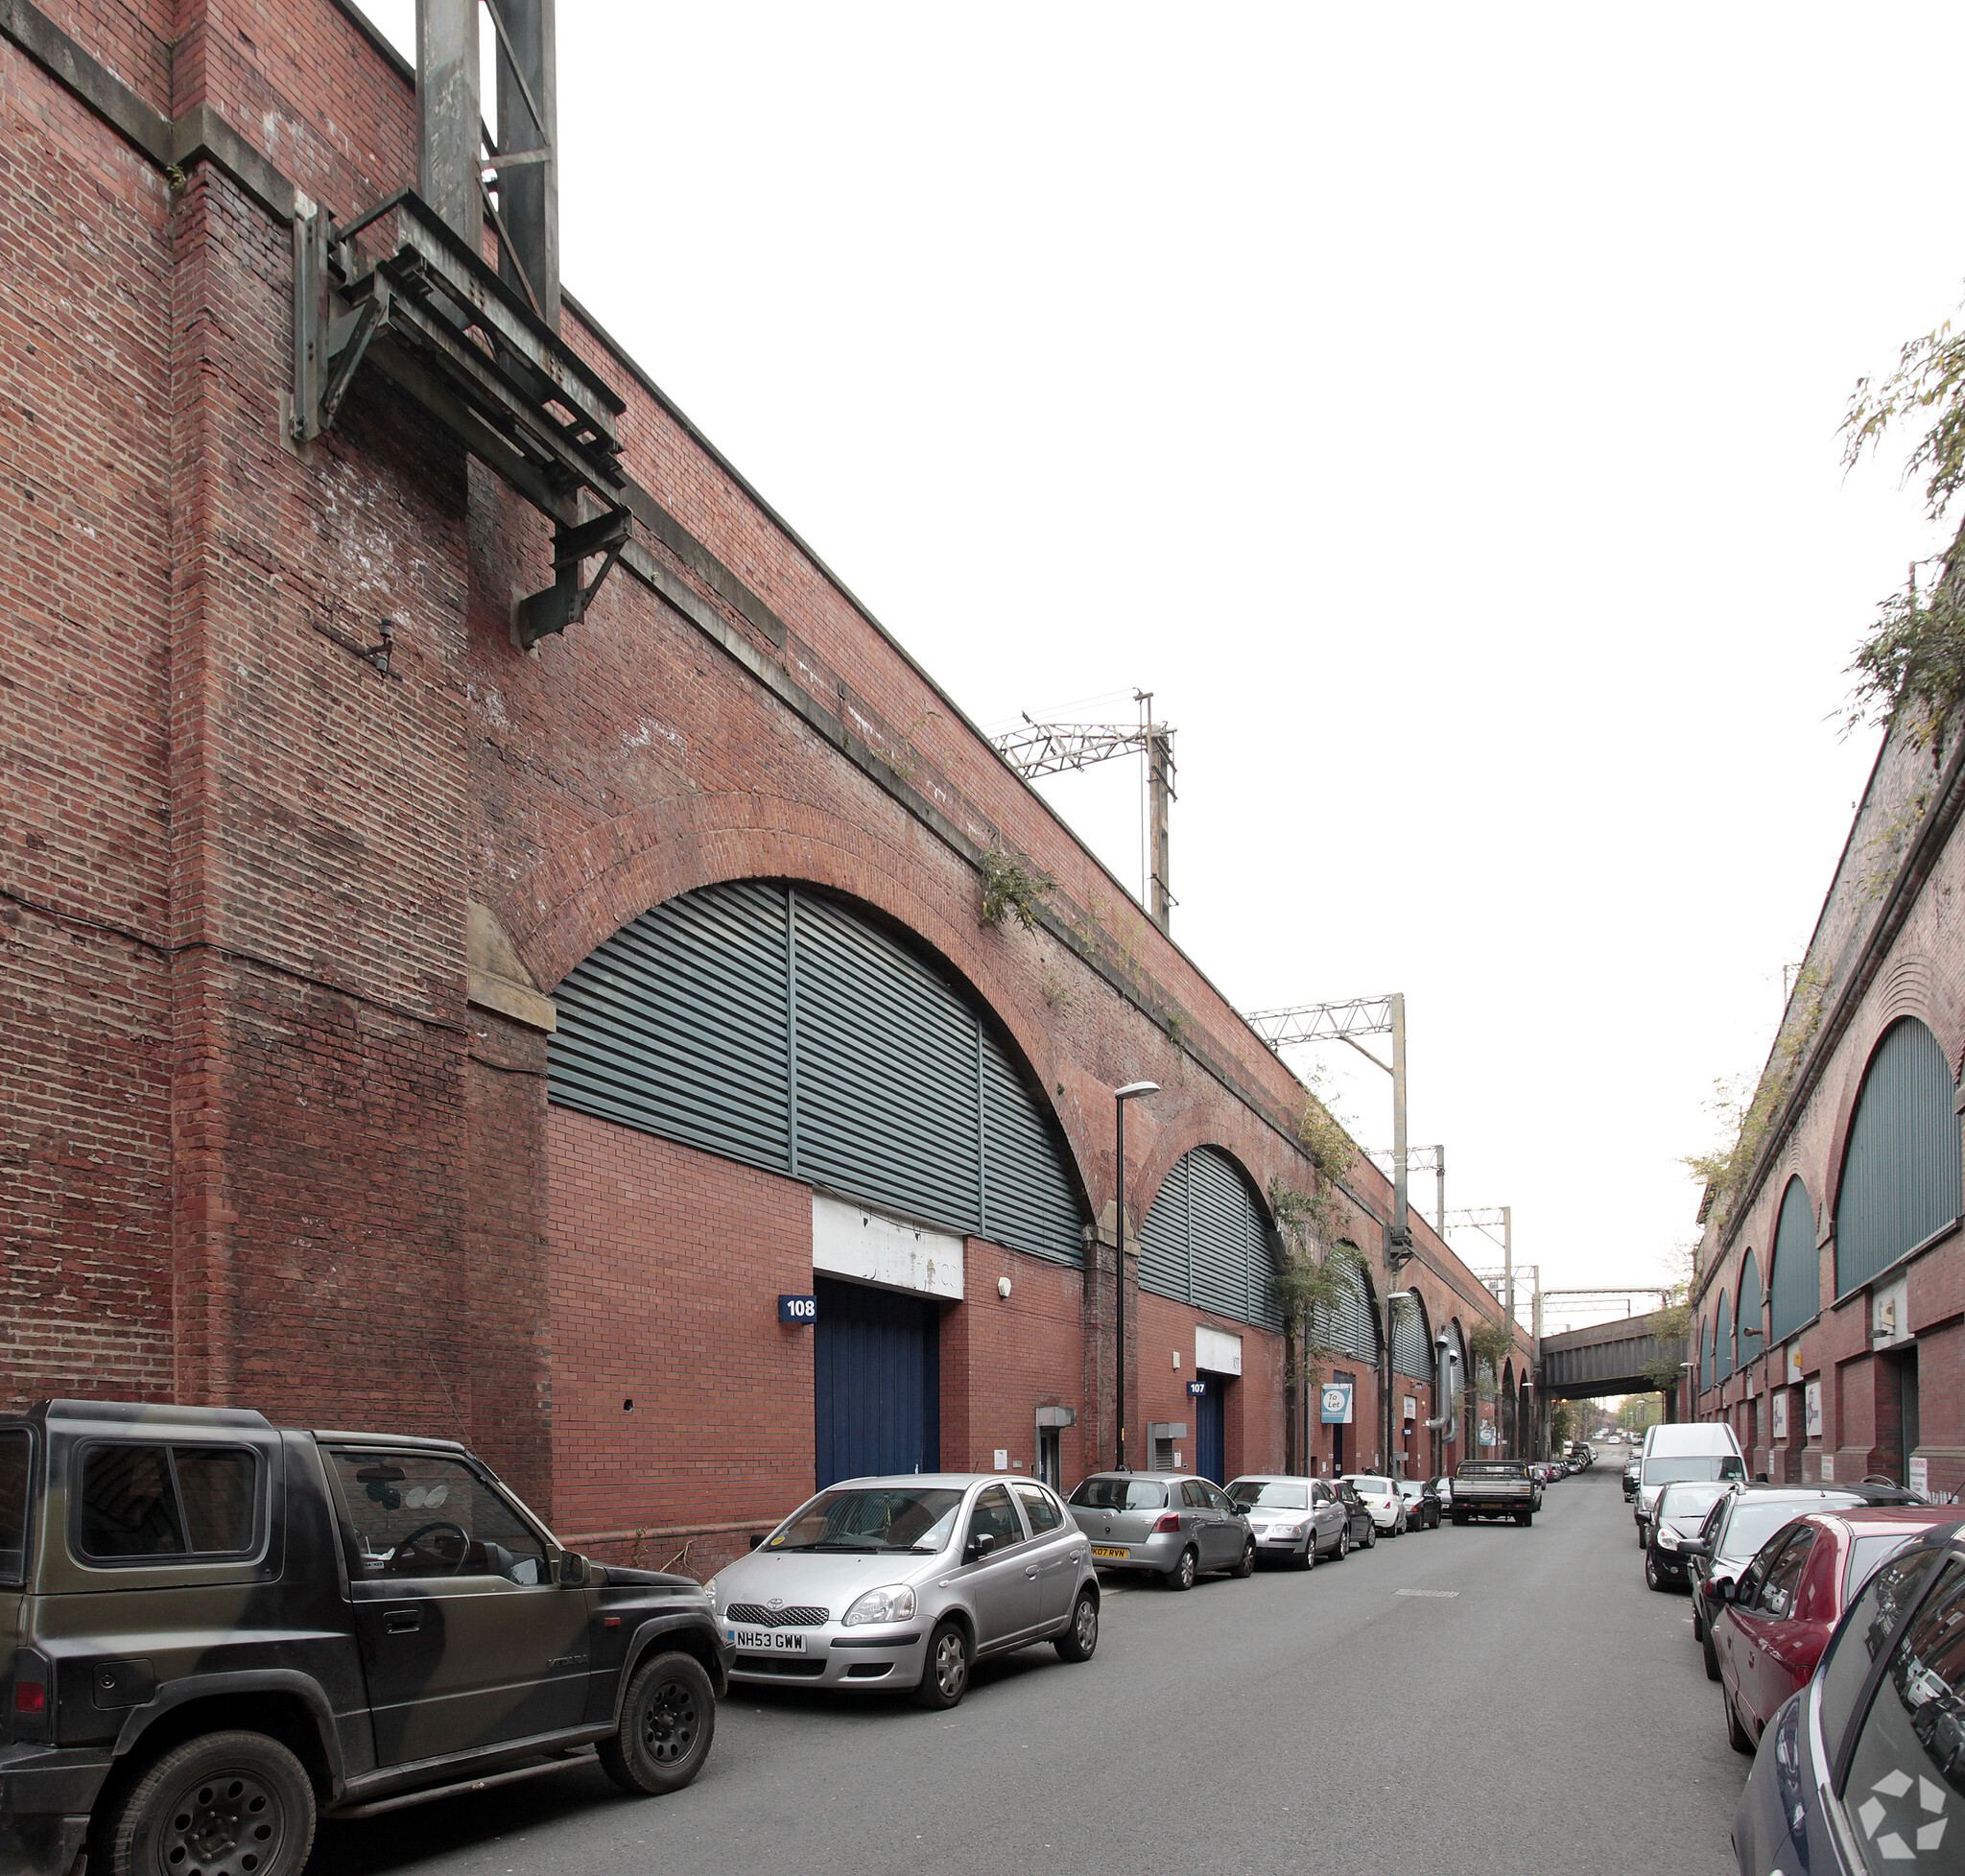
{"x":797,"y":1309}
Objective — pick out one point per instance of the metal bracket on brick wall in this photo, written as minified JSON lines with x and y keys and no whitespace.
{"x":441,"y":325}
{"x":565,"y":601}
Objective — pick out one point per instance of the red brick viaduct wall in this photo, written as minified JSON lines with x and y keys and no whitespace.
{"x":259,"y":1144}
{"x":1888,"y":945}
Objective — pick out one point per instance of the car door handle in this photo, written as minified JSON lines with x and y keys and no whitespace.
{"x":1031,"y":1571}
{"x":402,"y":1622}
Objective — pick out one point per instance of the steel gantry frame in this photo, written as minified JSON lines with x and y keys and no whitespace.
{"x":1345,"y":1022}
{"x":1056,"y":748}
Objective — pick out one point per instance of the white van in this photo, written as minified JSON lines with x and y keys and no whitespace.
{"x":1678,"y":1450}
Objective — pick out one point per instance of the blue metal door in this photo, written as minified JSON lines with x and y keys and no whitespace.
{"x":1211,"y":1441}
{"x":876,"y":1383}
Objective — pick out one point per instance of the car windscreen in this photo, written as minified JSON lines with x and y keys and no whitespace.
{"x":913,"y":1518}
{"x":1249,"y":1493}
{"x":1692,"y":1465}
{"x":1753,"y":1522}
{"x":1379,"y":1488}
{"x":13,"y":1458}
{"x":1689,"y":1501}
{"x":1120,"y":1495}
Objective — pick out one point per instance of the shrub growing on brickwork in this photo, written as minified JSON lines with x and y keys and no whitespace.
{"x":1013,"y":887}
{"x":1747,"y":1117}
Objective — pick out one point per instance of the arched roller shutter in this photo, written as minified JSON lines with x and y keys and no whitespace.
{"x":1412,"y":1341}
{"x":1749,"y":1315}
{"x":772,"y":1026}
{"x":1794,"y":1279}
{"x":1723,"y":1341}
{"x":1205,"y":1241}
{"x":1901,"y":1173}
{"x":1705,"y":1355}
{"x":1351,"y":1326}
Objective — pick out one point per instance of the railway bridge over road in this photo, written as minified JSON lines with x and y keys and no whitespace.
{"x":1624,"y":1356}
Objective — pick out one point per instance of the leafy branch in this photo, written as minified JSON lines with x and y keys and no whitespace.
{"x":1912,"y":661}
{"x":1013,"y":887}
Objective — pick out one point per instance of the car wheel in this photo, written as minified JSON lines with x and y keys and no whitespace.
{"x":1181,"y":1576}
{"x":1079,"y":1641}
{"x":1460,"y":1520}
{"x":1370,"y":1536}
{"x":1652,"y":1580}
{"x":668,"y":1719}
{"x":1712,"y":1656}
{"x":232,"y":1800}
{"x":1308,"y":1562}
{"x":1247,"y":1567}
{"x":1344,"y":1542}
{"x":1698,"y":1623}
{"x":945,"y":1672}
{"x":1737,"y":1735}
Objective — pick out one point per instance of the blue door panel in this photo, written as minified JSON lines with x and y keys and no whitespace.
{"x":876,"y":1383}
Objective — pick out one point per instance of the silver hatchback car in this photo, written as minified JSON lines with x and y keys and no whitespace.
{"x":905,"y":1582}
{"x":1172,"y":1523}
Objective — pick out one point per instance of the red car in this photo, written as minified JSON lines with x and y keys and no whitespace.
{"x":1775,"y":1621}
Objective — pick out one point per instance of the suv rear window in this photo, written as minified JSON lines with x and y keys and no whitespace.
{"x":155,"y":1501}
{"x":14,"y":1464}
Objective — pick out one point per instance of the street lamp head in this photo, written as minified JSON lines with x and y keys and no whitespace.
{"x":1134,"y":1089}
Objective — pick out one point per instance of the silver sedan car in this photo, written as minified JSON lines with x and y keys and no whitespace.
{"x":905,"y":1582}
{"x":1300,"y":1519}
{"x":1169,"y":1524}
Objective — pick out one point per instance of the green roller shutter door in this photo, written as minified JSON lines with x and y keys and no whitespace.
{"x":1794,"y":1285}
{"x":1205,"y":1242}
{"x":1411,"y":1343}
{"x":787,"y":1031}
{"x":1349,"y":1326}
{"x":1901,"y":1176}
{"x":676,"y":1026}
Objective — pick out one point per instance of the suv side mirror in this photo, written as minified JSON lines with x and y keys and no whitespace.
{"x":572,"y":1570}
{"x":756,"y":1539}
{"x":980,"y":1547}
{"x":1694,"y":1547}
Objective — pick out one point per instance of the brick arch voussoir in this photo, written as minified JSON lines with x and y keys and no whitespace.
{"x":594,"y":887}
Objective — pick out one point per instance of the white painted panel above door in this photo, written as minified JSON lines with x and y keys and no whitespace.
{"x":1220,"y":1354}
{"x":849,"y":1241}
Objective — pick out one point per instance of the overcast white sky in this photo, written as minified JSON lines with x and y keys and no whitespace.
{"x":1434,"y":405}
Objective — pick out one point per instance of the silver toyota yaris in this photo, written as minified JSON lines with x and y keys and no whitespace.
{"x":905,"y":1582}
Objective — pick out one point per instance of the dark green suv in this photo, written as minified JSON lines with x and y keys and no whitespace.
{"x":213,"y":1631}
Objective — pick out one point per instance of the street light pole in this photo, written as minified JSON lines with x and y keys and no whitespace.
{"x":1132,"y":1091}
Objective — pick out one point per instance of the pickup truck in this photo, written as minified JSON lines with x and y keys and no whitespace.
{"x":214,"y":1632}
{"x":1493,"y":1488}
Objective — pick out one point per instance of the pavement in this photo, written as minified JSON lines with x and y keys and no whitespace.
{"x":1490,"y":1699}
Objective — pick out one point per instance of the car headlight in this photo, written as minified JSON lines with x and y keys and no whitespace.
{"x":1666,"y":1540}
{"x":891,"y":1602}
{"x":709,"y":1589}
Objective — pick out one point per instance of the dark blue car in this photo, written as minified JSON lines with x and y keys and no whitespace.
{"x":1864,"y":1771}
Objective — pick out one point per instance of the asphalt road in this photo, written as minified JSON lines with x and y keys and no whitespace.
{"x":1490,"y":1699}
